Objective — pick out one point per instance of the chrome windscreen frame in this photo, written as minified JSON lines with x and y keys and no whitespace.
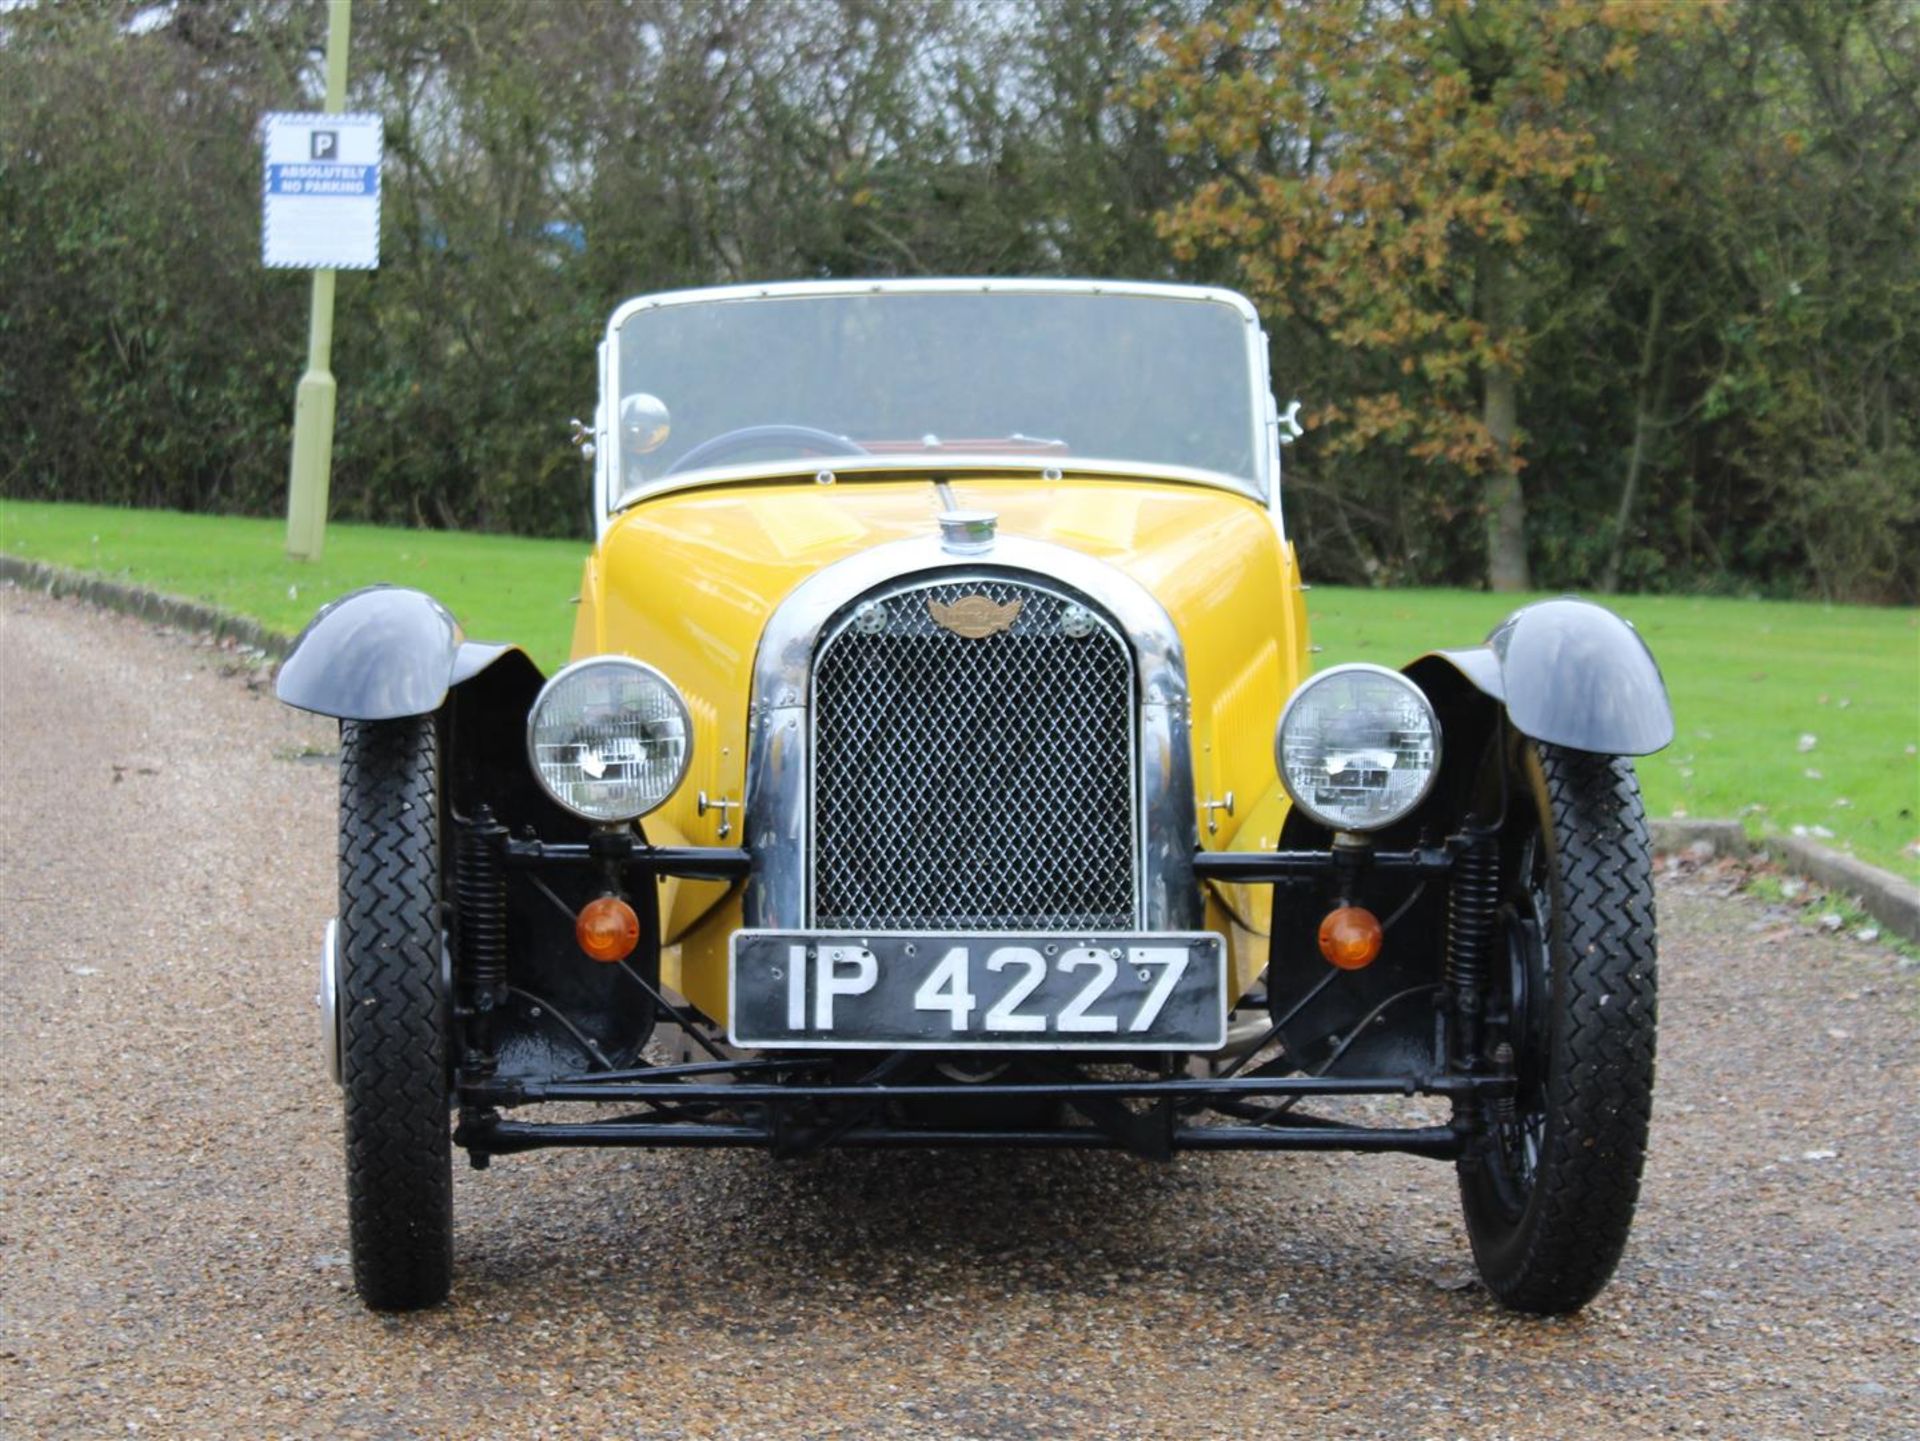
{"x":610,"y":498}
{"x":778,"y":828}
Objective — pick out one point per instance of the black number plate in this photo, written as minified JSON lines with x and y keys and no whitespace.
{"x":850,"y":989}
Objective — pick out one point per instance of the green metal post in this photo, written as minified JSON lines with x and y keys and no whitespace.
{"x":313,"y":401}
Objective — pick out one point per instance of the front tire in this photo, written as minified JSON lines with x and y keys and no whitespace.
{"x":1550,"y":1188}
{"x":393,"y":1011}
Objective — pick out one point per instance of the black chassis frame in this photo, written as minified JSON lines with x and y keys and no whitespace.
{"x":801,"y":1103}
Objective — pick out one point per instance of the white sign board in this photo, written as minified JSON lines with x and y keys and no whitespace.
{"x":322,"y":192}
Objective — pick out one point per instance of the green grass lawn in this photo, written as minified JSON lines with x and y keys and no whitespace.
{"x":501,"y":588}
{"x":1751,"y":680}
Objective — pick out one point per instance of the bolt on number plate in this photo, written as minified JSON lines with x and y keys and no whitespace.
{"x":822,"y":990}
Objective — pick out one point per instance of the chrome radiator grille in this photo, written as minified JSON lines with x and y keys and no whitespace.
{"x":974,"y":783}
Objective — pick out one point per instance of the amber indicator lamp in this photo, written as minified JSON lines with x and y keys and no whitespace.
{"x":1350,"y":937}
{"x":607,"y":929}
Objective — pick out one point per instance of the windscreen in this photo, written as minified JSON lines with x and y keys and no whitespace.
{"x":1063,"y":375}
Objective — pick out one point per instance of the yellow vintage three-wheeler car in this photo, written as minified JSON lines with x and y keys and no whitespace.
{"x":939,"y":766}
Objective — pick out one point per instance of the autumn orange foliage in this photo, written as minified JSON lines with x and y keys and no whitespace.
{"x":1377,"y":169}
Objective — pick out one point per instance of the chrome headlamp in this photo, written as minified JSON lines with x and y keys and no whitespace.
{"x":1358,"y":747}
{"x":609,"y":738}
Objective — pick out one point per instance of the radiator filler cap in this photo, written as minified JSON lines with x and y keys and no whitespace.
{"x":967,"y":532}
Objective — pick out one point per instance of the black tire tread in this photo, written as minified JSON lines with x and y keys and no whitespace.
{"x":1601,"y":1064}
{"x":394,"y":1044}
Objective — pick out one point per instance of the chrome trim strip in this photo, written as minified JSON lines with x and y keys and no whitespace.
{"x":936,"y":285}
{"x":779,"y":724}
{"x":1265,"y":448}
{"x":605,"y":503}
{"x":328,"y":998}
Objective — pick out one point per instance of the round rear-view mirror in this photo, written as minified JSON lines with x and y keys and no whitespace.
{"x":645,"y":423}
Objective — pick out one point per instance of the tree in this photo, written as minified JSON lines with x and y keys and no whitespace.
{"x":1816,"y":402}
{"x":1380,"y":172}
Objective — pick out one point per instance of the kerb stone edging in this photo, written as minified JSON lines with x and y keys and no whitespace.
{"x":1884,"y":896}
{"x":147,"y":604}
{"x":1893,"y":902}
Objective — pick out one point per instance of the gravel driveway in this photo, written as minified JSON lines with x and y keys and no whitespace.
{"x":172,"y":1218}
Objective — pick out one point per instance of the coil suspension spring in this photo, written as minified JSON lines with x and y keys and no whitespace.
{"x":1473,"y":914}
{"x":480,"y":891}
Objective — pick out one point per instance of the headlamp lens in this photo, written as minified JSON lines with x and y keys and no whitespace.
{"x":610,"y":738}
{"x":1358,"y":747}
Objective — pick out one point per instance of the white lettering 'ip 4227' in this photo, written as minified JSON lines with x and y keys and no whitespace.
{"x":845,"y":971}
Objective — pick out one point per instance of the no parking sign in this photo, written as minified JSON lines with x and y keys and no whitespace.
{"x":321,"y":191}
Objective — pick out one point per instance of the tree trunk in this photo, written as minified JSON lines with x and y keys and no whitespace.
{"x":1506,"y":506}
{"x":1610,"y":576}
{"x":1646,"y":395}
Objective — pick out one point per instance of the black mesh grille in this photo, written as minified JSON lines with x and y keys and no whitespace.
{"x":973,"y":784}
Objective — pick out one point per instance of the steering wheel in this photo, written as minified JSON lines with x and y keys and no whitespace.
{"x":749,"y":437}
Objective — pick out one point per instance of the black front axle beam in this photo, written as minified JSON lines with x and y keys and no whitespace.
{"x":631,"y":1087}
{"x":769,"y":1112}
{"x":500,"y":1138}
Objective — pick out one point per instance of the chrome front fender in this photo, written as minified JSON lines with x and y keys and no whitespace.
{"x":1570,"y":673}
{"x":381,"y":653}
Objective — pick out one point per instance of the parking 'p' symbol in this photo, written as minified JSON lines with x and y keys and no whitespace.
{"x":326,"y":145}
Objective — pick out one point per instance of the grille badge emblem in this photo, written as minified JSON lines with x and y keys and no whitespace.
{"x":974,"y":616}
